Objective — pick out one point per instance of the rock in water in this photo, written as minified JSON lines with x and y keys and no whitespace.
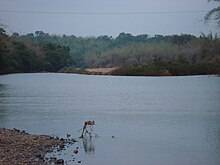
{"x":60,"y":161}
{"x":75,"y":151}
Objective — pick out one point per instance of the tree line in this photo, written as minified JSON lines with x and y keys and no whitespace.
{"x":39,"y":51}
{"x":24,"y":55}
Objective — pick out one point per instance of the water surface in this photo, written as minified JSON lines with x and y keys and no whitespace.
{"x":154,"y":120}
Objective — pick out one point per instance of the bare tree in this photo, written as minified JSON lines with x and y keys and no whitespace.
{"x":214,"y":14}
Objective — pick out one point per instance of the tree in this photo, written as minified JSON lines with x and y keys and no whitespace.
{"x":25,"y":60}
{"x":214,"y":13}
{"x":182,"y":39}
{"x":57,"y":57}
{"x":4,"y":62}
{"x":124,"y":38}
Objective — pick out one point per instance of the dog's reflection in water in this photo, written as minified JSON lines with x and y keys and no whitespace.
{"x":88,"y":144}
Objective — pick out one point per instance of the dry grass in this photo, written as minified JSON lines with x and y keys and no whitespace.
{"x":103,"y":71}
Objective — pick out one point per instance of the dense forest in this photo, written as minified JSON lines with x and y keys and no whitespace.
{"x":183,"y":54}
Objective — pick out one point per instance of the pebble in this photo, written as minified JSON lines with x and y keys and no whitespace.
{"x":75,"y":151}
{"x":59,"y":161}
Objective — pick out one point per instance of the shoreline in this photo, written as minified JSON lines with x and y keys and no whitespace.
{"x":19,"y":147}
{"x":216,"y":75}
{"x":136,"y":71}
{"x":110,"y":72}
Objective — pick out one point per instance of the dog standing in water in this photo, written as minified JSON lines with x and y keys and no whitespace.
{"x":87,"y":124}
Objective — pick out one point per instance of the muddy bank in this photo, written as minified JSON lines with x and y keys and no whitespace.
{"x":19,"y":147}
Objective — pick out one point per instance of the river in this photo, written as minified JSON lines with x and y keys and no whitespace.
{"x":139,"y":120}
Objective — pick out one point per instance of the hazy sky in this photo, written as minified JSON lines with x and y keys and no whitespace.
{"x":110,"y":17}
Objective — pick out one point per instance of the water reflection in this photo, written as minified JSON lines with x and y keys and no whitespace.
{"x":218,"y":136}
{"x":2,"y":97}
{"x":2,"y":90}
{"x":88,"y":144}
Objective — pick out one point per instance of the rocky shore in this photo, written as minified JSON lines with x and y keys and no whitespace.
{"x":19,"y":147}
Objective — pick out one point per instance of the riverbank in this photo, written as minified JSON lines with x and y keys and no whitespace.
{"x":151,"y":70}
{"x":100,"y":71}
{"x":19,"y":147}
{"x":164,"y":69}
{"x":89,"y":71}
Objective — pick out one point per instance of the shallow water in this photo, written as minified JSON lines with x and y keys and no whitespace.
{"x":153,"y":120}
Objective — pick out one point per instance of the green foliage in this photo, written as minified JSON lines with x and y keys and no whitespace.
{"x":210,"y":47}
{"x":134,"y":55}
{"x":4,"y":56}
{"x":168,"y":69}
{"x":88,"y":49}
{"x":21,"y":54}
{"x":25,"y":60}
{"x":182,"y":39}
{"x":57,"y":57}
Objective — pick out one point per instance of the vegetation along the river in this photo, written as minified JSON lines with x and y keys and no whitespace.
{"x":183,"y":54}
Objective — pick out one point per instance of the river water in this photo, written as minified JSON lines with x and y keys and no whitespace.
{"x":139,"y":120}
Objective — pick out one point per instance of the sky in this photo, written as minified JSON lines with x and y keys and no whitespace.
{"x":106,"y":17}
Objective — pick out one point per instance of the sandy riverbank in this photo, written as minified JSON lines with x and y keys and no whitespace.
{"x":89,"y":71}
{"x":19,"y":147}
{"x":100,"y":71}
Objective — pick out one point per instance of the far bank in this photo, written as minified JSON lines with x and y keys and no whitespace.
{"x":153,"y":69}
